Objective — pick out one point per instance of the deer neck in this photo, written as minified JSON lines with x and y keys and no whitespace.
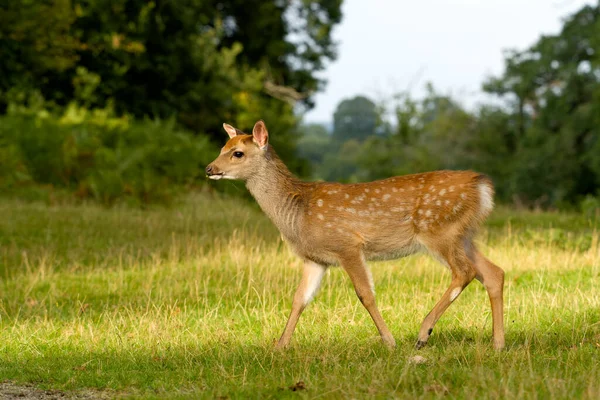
{"x":278,"y":193}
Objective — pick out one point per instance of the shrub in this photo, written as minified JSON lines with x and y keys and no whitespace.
{"x":144,"y":161}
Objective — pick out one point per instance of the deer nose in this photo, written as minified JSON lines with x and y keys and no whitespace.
{"x":209,"y":170}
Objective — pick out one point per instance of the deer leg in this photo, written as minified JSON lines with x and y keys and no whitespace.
{"x":463,"y":273}
{"x":360,"y":275}
{"x":312,"y":275}
{"x":492,"y":277}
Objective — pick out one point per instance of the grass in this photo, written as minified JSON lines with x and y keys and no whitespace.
{"x":186,"y":302}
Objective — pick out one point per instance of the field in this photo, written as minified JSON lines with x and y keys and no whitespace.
{"x":186,"y":302}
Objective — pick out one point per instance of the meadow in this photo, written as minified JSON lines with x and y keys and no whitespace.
{"x":186,"y":301}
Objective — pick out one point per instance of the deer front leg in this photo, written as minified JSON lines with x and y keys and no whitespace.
{"x":359,"y":273}
{"x":311,"y":280}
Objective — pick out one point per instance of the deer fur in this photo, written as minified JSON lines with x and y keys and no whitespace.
{"x":330,"y":224}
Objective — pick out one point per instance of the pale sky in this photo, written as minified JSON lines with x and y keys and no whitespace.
{"x":388,"y":46}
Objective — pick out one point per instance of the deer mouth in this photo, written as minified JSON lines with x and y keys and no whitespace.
{"x":216,"y":177}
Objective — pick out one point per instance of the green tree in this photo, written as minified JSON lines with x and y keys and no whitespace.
{"x":355,"y":118}
{"x":552,"y":90}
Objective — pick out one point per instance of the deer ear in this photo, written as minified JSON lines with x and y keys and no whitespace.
{"x":231,"y":131}
{"x":260,"y":135}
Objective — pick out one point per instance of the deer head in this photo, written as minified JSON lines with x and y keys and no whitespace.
{"x":242,"y":156}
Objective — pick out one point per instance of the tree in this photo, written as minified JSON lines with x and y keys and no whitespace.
{"x":355,"y":118}
{"x":201,"y":61}
{"x":553,"y":92}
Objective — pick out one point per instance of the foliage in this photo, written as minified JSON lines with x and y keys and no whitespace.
{"x":193,"y":60}
{"x":99,"y":156}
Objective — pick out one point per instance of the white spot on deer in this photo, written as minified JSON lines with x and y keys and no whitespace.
{"x":463,"y":196}
{"x":446,"y":202}
{"x":351,"y":210}
{"x":451,"y":188}
{"x":346,"y":196}
{"x":432,"y":188}
{"x":366,"y":190}
{"x":421,"y":186}
{"x":320,"y":216}
{"x":340,"y":208}
{"x":394,"y":190}
{"x":442,"y":192}
{"x":377,"y":190}
{"x":328,"y":225}
{"x":454,"y":294}
{"x":428,"y":213}
{"x":363,"y":213}
{"x":310,"y":213}
{"x":423,"y":225}
{"x":401,"y":189}
{"x":438,"y":203}
{"x":420,"y":212}
{"x":386,"y":197}
{"x":320,"y":203}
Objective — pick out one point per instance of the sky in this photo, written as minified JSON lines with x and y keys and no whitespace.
{"x":388,"y":46}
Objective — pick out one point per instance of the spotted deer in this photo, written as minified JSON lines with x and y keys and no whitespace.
{"x":330,"y":224}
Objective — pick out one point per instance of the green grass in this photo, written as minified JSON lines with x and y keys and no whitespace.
{"x":187,"y":302}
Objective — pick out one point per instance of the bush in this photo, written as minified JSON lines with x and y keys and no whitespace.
{"x":143,"y":161}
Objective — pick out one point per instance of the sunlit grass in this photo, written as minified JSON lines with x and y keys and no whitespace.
{"x":187,"y":301}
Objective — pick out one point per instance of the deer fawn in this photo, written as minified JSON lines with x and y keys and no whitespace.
{"x":347,"y":224}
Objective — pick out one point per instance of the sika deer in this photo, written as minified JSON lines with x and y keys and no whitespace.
{"x":347,"y":224}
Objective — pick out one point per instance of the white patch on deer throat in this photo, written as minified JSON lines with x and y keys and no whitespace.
{"x":320,"y":203}
{"x":454,"y":294}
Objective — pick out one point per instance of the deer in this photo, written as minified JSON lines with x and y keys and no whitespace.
{"x":333,"y":224}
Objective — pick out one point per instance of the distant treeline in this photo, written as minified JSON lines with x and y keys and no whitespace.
{"x":540,"y":142}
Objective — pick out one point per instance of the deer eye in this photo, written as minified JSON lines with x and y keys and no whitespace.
{"x":238,"y":154}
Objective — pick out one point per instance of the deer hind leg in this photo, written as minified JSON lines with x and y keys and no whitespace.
{"x":492,"y":278}
{"x":312,"y":275}
{"x":463,"y":272}
{"x":360,"y":275}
